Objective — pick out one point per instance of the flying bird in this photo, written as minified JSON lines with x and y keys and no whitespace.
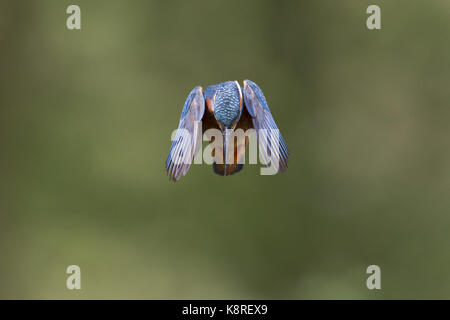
{"x":227,"y":107}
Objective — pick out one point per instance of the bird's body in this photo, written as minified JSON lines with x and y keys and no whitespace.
{"x":225,"y":106}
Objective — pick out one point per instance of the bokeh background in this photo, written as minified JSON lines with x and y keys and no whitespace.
{"x":85,"y":124}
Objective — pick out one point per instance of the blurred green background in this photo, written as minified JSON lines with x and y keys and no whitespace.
{"x":85,"y":124}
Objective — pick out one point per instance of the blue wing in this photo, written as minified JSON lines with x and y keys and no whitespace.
{"x":184,"y":144}
{"x":271,"y":143}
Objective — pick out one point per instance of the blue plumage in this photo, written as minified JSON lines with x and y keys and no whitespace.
{"x":226,"y":103}
{"x":188,"y":101}
{"x":259,"y":94}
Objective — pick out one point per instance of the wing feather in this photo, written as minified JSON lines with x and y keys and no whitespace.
{"x":270,"y":140}
{"x":183,"y":148}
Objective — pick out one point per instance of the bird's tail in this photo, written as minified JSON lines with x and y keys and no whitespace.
{"x":231,"y":169}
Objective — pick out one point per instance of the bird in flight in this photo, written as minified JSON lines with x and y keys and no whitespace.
{"x":226,"y":107}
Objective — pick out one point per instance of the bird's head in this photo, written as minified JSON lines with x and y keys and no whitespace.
{"x":227,"y":104}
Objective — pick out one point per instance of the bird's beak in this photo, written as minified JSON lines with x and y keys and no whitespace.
{"x":227,"y":134}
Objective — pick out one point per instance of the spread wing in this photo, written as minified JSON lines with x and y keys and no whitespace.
{"x":184,"y":144}
{"x":271,"y":143}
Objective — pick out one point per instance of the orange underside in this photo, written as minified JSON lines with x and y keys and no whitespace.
{"x":245,"y":122}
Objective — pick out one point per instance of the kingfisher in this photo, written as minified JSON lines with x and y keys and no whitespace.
{"x":226,"y":107}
